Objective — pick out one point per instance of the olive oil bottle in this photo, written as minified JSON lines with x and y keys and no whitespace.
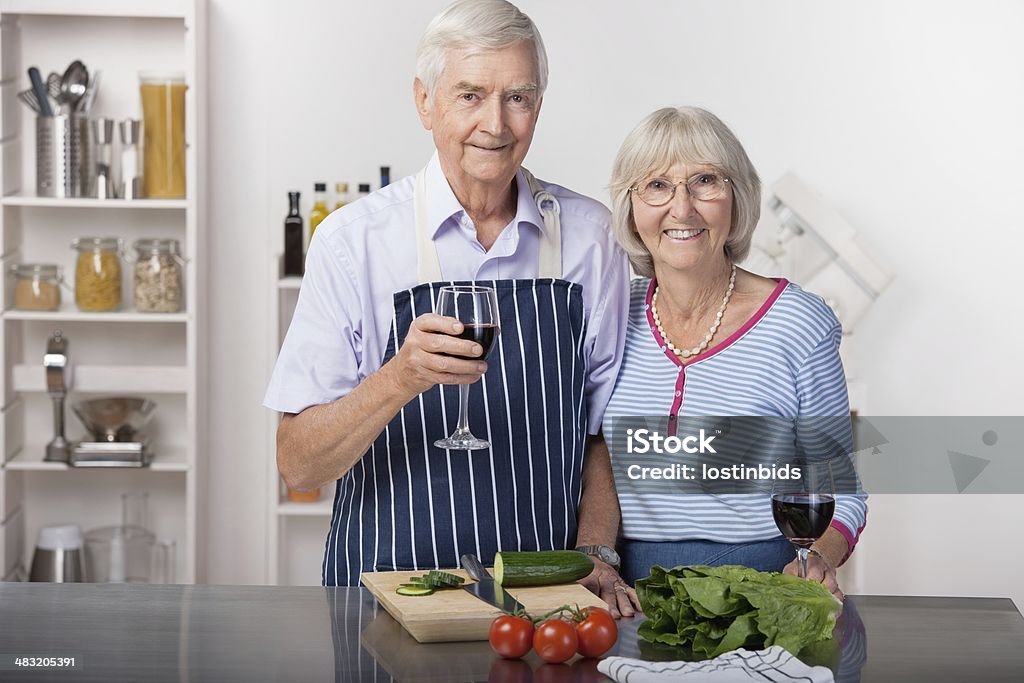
{"x":319,"y":211}
{"x":341,"y":197}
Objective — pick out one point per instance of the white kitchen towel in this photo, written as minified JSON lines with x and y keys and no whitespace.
{"x":738,"y":666}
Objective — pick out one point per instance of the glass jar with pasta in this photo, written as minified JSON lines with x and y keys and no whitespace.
{"x":98,"y":274}
{"x":157,"y":280}
{"x":163,"y":133}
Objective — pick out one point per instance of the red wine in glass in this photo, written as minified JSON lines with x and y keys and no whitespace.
{"x":803,"y":506}
{"x":476,"y":307}
{"x":484,"y":335}
{"x":803,"y":517}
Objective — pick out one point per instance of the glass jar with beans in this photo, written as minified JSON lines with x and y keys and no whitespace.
{"x":98,"y":273}
{"x":158,"y":276}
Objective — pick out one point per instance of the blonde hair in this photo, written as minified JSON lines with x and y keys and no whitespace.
{"x":687,"y":135}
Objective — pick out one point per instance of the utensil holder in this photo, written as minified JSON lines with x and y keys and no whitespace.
{"x":63,"y":156}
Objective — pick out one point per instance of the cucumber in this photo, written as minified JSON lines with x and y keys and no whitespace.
{"x":541,"y":568}
{"x":445,"y":578}
{"x":409,"y":589}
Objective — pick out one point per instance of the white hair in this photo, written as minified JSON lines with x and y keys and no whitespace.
{"x":476,"y":26}
{"x":683,"y":135}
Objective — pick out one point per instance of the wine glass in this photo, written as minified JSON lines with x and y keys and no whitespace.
{"x":477,"y":308}
{"x":803,"y":503}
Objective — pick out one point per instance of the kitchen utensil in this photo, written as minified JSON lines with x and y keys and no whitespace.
{"x":114,"y":425}
{"x":85,"y":104}
{"x":72,"y":86}
{"x":53,"y":85}
{"x":485,"y":587}
{"x":455,"y":615}
{"x":63,"y":156}
{"x":29,"y":98}
{"x":103,"y":134}
{"x":40,"y":90}
{"x":129,"y":552}
{"x":58,"y":379}
{"x":131,"y":165}
{"x":116,"y":418}
{"x":58,"y":555}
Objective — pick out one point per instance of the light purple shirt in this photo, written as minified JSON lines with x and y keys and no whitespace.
{"x":366,"y":251}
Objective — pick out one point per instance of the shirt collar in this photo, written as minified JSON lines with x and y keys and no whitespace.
{"x":442,"y":203}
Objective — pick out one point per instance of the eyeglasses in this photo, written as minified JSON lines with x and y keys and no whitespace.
{"x":660,"y":191}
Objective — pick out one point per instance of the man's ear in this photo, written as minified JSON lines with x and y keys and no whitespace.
{"x":424,"y":107}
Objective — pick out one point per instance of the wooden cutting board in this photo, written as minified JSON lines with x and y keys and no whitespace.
{"x":455,"y":615}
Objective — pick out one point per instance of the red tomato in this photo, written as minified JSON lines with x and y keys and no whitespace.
{"x":555,"y":641}
{"x":597,"y":632}
{"x":511,"y":636}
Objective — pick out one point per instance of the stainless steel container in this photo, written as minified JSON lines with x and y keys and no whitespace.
{"x":63,"y":156}
{"x":59,"y":557}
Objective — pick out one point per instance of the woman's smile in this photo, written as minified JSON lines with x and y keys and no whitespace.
{"x":685,"y":235}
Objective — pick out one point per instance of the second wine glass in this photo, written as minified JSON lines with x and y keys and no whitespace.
{"x":803,"y":507}
{"x":476,"y":307}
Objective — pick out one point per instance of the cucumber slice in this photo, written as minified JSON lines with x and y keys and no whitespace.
{"x":445,"y":578}
{"x":412,"y":590}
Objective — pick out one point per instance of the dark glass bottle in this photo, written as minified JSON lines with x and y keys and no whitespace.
{"x":293,"y":261}
{"x":385,"y":176}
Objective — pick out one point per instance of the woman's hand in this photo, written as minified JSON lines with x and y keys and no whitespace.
{"x":818,"y":569}
{"x":606,"y":583}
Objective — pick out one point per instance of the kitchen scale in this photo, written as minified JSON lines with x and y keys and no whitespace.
{"x":113,"y":424}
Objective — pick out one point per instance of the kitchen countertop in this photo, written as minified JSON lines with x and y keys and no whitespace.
{"x":262,"y":633}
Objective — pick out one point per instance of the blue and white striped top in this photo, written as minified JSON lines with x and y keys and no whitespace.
{"x":783,"y":362}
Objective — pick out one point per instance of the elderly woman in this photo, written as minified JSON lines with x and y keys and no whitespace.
{"x":706,"y":337}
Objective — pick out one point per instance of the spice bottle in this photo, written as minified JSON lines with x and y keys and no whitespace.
{"x":319,"y":210}
{"x":36,"y":287}
{"x":98,"y":273}
{"x":157,"y":281}
{"x":293,"y":264}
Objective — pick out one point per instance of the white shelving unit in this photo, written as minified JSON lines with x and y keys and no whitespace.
{"x":157,"y":356}
{"x":297,"y":530}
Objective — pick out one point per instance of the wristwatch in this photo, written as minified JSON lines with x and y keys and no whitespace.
{"x":604,"y":553}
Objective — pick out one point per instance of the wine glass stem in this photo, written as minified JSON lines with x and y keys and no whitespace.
{"x":803,"y":554}
{"x":463,"y":409}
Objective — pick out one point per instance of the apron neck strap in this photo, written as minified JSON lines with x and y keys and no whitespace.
{"x":550,"y":266}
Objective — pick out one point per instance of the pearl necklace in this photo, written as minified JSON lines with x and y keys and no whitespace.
{"x":697,"y":350}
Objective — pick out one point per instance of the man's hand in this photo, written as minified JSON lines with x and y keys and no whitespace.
{"x":817,"y":570}
{"x":431,"y":355}
{"x":606,"y":583}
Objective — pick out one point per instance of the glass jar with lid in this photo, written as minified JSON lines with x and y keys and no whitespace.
{"x":36,"y":286}
{"x":98,"y":273}
{"x":158,"y":267}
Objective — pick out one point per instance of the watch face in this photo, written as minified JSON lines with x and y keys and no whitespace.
{"x":608,"y":555}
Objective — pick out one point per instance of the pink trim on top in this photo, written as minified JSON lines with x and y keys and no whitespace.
{"x":851,"y":538}
{"x":721,"y":346}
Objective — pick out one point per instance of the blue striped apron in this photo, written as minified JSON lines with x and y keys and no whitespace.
{"x":410,"y":505}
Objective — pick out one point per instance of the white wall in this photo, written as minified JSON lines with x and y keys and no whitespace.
{"x":907,"y":116}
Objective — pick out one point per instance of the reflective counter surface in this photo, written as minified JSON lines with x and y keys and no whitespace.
{"x":294,"y":634}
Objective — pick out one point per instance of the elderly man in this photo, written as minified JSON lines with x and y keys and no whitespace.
{"x":365,"y":373}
